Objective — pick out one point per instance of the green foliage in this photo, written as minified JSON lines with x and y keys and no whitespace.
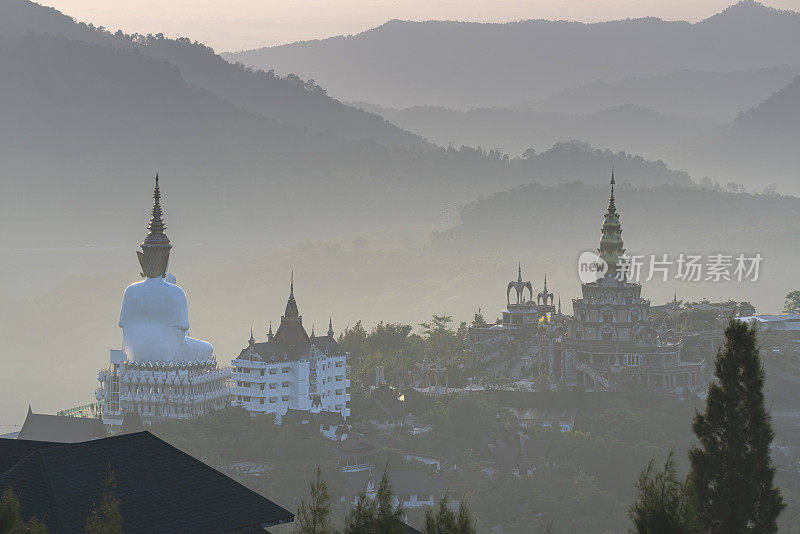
{"x":732,"y":476}
{"x":445,"y":521}
{"x":661,"y":507}
{"x":105,"y":517}
{"x":792,"y":304}
{"x":378,"y":516}
{"x":314,"y":518}
{"x":11,"y":521}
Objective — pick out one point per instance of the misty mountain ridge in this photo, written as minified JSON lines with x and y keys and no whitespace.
{"x":625,"y":127}
{"x":288,"y":98}
{"x":717,"y":96}
{"x":460,"y":61}
{"x":759,"y":145}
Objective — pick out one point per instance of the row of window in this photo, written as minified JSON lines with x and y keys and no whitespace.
{"x":272,"y":370}
{"x":272,"y":400}
{"x":272,"y":385}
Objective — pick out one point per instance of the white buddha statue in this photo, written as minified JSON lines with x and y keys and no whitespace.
{"x":154,"y":316}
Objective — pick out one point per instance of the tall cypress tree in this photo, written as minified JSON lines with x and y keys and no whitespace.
{"x":732,"y":476}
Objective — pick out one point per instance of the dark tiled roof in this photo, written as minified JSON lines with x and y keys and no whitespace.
{"x":59,"y":428}
{"x":14,"y":450}
{"x":275,"y":350}
{"x":160,"y":488}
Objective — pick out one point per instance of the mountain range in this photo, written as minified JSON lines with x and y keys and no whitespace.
{"x":466,"y":65}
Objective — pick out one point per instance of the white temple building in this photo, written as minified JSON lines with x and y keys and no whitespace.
{"x":291,"y":370}
{"x":159,"y":372}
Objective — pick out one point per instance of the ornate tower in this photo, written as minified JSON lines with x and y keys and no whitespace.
{"x":611,"y":240}
{"x":154,"y":256}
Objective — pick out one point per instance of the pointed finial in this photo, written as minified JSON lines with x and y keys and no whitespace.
{"x":156,"y":226}
{"x":252,"y":338}
{"x":291,"y":286}
{"x":330,"y":327}
{"x":154,"y":256}
{"x":611,"y":206}
{"x":519,"y":272}
{"x":559,"y":304}
{"x":269,"y":334}
{"x":312,"y":330}
{"x":545,"y":283}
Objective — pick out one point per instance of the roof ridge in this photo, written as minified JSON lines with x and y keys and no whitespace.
{"x":35,"y":462}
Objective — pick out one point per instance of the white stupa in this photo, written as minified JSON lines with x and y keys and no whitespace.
{"x":160,"y":371}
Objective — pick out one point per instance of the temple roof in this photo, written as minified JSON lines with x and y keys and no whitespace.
{"x":59,"y":428}
{"x":160,"y":488}
{"x":290,"y":342}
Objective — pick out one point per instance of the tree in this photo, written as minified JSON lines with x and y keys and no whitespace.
{"x":11,"y":520}
{"x":105,"y":518}
{"x":662,"y":504}
{"x":445,"y":521}
{"x":378,"y":516}
{"x":792,"y":304}
{"x":314,"y":518}
{"x":731,"y":474}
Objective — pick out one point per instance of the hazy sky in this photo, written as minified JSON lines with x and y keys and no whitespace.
{"x":229,"y":25}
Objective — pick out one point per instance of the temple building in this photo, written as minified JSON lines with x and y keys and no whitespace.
{"x":520,"y":318}
{"x":611,"y":336}
{"x":292,"y":370}
{"x":159,"y":372}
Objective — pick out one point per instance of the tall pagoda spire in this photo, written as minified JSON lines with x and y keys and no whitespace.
{"x":291,"y":305}
{"x":611,"y":240}
{"x":154,"y":256}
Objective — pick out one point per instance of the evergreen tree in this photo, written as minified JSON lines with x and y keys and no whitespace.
{"x":314,"y":518}
{"x":378,"y":516}
{"x":11,"y":520}
{"x":445,"y":521}
{"x":732,"y":476}
{"x":105,"y":518}
{"x":662,"y":504}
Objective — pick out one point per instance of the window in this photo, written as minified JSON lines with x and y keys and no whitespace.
{"x":284,"y":370}
{"x":339,"y":378}
{"x":261,"y":401}
{"x":262,"y":372}
{"x":285,"y":398}
{"x":273,"y":371}
{"x":339,"y":364}
{"x":262,"y":387}
{"x":273,"y":400}
{"x":273,"y":385}
{"x":285,"y":384}
{"x":338,"y":391}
